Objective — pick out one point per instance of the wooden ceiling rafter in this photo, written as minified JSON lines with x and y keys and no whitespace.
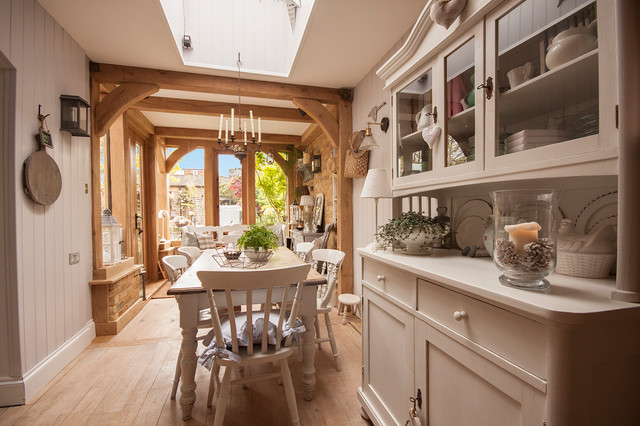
{"x":322,"y":116}
{"x":207,"y":134}
{"x":197,"y":107}
{"x":204,"y":83}
{"x":117,"y":102}
{"x":178,"y":154}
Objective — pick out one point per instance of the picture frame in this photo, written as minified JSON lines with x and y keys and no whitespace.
{"x":45,"y":139}
{"x":318,"y":211}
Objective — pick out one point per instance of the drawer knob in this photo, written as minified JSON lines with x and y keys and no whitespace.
{"x":380,"y":277}
{"x":459,"y":315}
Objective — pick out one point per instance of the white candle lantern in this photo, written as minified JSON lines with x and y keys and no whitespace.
{"x":111,"y":234}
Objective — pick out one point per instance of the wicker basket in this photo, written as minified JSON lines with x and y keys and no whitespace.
{"x":585,"y":265}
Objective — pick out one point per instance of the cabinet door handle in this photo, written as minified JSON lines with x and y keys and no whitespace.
{"x":380,"y":277}
{"x":488,"y":88}
{"x":459,"y":315}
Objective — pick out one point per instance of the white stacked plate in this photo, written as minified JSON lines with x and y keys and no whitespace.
{"x":534,"y":138}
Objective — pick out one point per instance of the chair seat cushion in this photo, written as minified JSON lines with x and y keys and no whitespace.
{"x":242,"y":331}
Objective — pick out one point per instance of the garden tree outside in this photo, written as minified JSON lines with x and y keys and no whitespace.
{"x":271,"y":191}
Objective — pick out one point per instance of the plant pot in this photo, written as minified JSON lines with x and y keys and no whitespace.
{"x":418,"y":242}
{"x":261,"y":255}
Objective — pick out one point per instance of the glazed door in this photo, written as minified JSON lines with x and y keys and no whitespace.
{"x":137,"y":248}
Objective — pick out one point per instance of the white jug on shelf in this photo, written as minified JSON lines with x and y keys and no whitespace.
{"x":423,"y":118}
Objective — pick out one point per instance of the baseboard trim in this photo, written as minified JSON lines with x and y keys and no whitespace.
{"x":368,"y":407}
{"x":18,"y":391}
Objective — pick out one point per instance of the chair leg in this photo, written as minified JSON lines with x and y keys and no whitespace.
{"x":289,"y":392}
{"x":317,"y":326}
{"x":223,"y":399}
{"x":214,"y":383}
{"x":241,"y":371}
{"x":344,"y":314}
{"x":176,"y":377}
{"x":332,"y":341}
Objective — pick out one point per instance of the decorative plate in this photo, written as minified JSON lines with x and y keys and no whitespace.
{"x":473,"y":207}
{"x":600,"y":211}
{"x":470,"y":232}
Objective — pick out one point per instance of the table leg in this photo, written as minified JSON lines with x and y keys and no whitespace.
{"x":188,"y":305}
{"x":308,"y":346}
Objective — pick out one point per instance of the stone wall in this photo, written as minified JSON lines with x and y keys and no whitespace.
{"x":322,"y":183}
{"x":122,"y":295}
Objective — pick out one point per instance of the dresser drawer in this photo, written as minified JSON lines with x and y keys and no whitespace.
{"x":515,"y":338}
{"x":394,"y":282}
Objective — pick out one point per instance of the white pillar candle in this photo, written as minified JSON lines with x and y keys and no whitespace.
{"x":220,"y":128}
{"x":259,"y":131}
{"x":226,"y":131}
{"x":523,"y":233}
{"x":232,"y":121}
{"x":253,"y":134}
{"x":245,"y":130}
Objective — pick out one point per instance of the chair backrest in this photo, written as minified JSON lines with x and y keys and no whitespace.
{"x":327,"y":262}
{"x":303,"y":250}
{"x":278,"y":228}
{"x":230,"y":238}
{"x":192,"y":253}
{"x":253,"y":286}
{"x":174,"y":266}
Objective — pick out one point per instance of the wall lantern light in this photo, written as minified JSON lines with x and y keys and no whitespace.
{"x":74,"y":115}
{"x":316,"y":163}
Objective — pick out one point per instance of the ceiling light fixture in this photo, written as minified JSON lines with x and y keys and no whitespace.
{"x":239,"y":147}
{"x":369,"y":143}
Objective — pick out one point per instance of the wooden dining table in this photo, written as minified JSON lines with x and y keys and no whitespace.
{"x":191,"y":297}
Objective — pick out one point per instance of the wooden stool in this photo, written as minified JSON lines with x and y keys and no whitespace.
{"x":348,"y":299}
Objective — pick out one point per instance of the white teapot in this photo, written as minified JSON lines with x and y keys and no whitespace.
{"x":570,"y":44}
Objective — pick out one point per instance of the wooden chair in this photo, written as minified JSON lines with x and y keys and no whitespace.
{"x":303,"y":251}
{"x":192,"y":253}
{"x":328,"y":263}
{"x":175,"y":265}
{"x":249,"y":287}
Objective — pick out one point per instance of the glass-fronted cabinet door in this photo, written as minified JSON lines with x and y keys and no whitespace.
{"x":414,"y":114}
{"x":463,"y":113}
{"x":546,"y":61}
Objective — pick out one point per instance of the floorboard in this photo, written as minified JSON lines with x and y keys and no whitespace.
{"x":126,"y":379}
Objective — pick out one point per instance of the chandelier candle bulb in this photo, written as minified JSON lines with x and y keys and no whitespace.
{"x":523,"y":233}
{"x":253,"y":133}
{"x":259,"y":131}
{"x":231,"y":121}
{"x":226,"y":131}
{"x":245,"y":132}
{"x":220,"y":128}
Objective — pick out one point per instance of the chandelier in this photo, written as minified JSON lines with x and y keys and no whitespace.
{"x":238,"y":145}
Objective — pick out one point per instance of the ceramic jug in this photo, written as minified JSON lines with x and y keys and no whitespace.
{"x":570,"y":44}
{"x":423,"y":118}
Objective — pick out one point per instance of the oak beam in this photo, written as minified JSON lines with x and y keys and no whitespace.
{"x":192,"y":82}
{"x":96,"y":213}
{"x":117,"y":102}
{"x":206,"y":134}
{"x":322,"y":116}
{"x":211,"y":190}
{"x":345,"y":202}
{"x":177,"y":155}
{"x":198,"y":107}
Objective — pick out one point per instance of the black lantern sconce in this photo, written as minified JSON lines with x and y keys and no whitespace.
{"x":316,"y":164}
{"x":74,"y":115}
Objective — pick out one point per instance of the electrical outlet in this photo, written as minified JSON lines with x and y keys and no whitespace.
{"x":74,"y":258}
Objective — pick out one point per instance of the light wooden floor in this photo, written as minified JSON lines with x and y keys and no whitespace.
{"x":126,"y":379}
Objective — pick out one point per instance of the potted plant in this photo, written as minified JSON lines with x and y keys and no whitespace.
{"x":258,"y":242}
{"x":414,"y":231}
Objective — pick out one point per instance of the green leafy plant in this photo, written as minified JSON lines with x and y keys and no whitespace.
{"x":258,"y":236}
{"x":410,"y":225}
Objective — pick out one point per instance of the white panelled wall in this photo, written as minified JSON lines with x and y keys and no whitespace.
{"x":46,"y":314}
{"x":367,"y":94}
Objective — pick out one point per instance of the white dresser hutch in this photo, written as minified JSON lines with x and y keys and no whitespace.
{"x":478,"y":352}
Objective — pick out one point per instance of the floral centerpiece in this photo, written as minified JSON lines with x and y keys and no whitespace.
{"x":258,"y":242}
{"x":413,"y":231}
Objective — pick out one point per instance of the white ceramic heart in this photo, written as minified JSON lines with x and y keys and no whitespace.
{"x":445,"y":12}
{"x":431,"y":135}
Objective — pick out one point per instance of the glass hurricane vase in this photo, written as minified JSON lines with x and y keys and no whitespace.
{"x":525,"y":232}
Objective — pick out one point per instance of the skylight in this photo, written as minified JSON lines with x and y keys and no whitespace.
{"x":261,"y":30}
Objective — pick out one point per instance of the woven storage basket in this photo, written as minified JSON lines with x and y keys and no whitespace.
{"x":585,"y":265}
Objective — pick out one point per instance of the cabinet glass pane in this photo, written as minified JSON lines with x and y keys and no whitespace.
{"x":547,"y":76}
{"x":414,"y":104}
{"x":460,"y":104}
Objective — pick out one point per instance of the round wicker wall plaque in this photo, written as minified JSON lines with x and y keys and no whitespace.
{"x":42,"y":178}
